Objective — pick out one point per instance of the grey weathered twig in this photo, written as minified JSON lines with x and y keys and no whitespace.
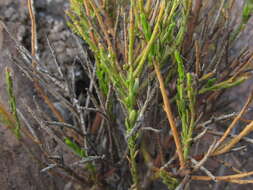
{"x":57,"y":64}
{"x":88,"y":159}
{"x":204,"y":169}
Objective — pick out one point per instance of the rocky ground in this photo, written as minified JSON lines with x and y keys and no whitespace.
{"x":17,"y":171}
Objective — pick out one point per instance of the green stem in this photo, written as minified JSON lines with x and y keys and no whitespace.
{"x":151,"y":42}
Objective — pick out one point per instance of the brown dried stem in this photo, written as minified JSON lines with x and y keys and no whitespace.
{"x":167,"y":109}
{"x":33,"y":30}
{"x":230,"y":178}
{"x":235,"y":121}
{"x":235,"y":140}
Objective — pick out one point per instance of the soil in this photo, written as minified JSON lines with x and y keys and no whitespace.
{"x":19,"y":171}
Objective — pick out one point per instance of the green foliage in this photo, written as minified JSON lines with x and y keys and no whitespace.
{"x":12,"y":102}
{"x":136,"y":44}
{"x":247,"y":11}
{"x":79,"y":151}
{"x":223,"y":85}
{"x":171,"y":182}
{"x":186,"y":99}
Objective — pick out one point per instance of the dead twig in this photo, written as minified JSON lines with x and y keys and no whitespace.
{"x":208,"y":173}
{"x":168,"y":110}
{"x":229,"y":178}
{"x":235,"y":121}
{"x":234,"y":141}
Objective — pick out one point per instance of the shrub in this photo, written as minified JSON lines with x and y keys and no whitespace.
{"x":140,"y":56}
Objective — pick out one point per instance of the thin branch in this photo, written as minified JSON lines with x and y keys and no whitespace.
{"x":235,"y":140}
{"x":62,"y":124}
{"x":210,"y":175}
{"x":235,"y":121}
{"x":151,"y":129}
{"x":246,"y":139}
{"x":58,"y":66}
{"x":224,"y":178}
{"x":34,"y":42}
{"x":88,"y":159}
{"x":204,"y":159}
{"x":168,"y":110}
{"x":51,"y":166}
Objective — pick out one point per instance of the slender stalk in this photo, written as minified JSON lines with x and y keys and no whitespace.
{"x":235,"y":140}
{"x":167,"y":109}
{"x":235,"y":121}
{"x":131,"y":36}
{"x":33,"y":30}
{"x":12,"y":101}
{"x":223,"y":178}
{"x":134,"y":169}
{"x":151,"y":41}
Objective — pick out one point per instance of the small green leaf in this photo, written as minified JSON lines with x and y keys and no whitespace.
{"x":80,"y":152}
{"x":12,"y":101}
{"x":146,"y":27}
{"x":133,"y":116}
{"x":180,"y":66}
{"x":247,"y":12}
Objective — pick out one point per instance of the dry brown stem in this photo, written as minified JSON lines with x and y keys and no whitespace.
{"x":235,"y":121}
{"x":230,"y":178}
{"x":33,"y":30}
{"x":167,"y":109}
{"x":235,"y":140}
